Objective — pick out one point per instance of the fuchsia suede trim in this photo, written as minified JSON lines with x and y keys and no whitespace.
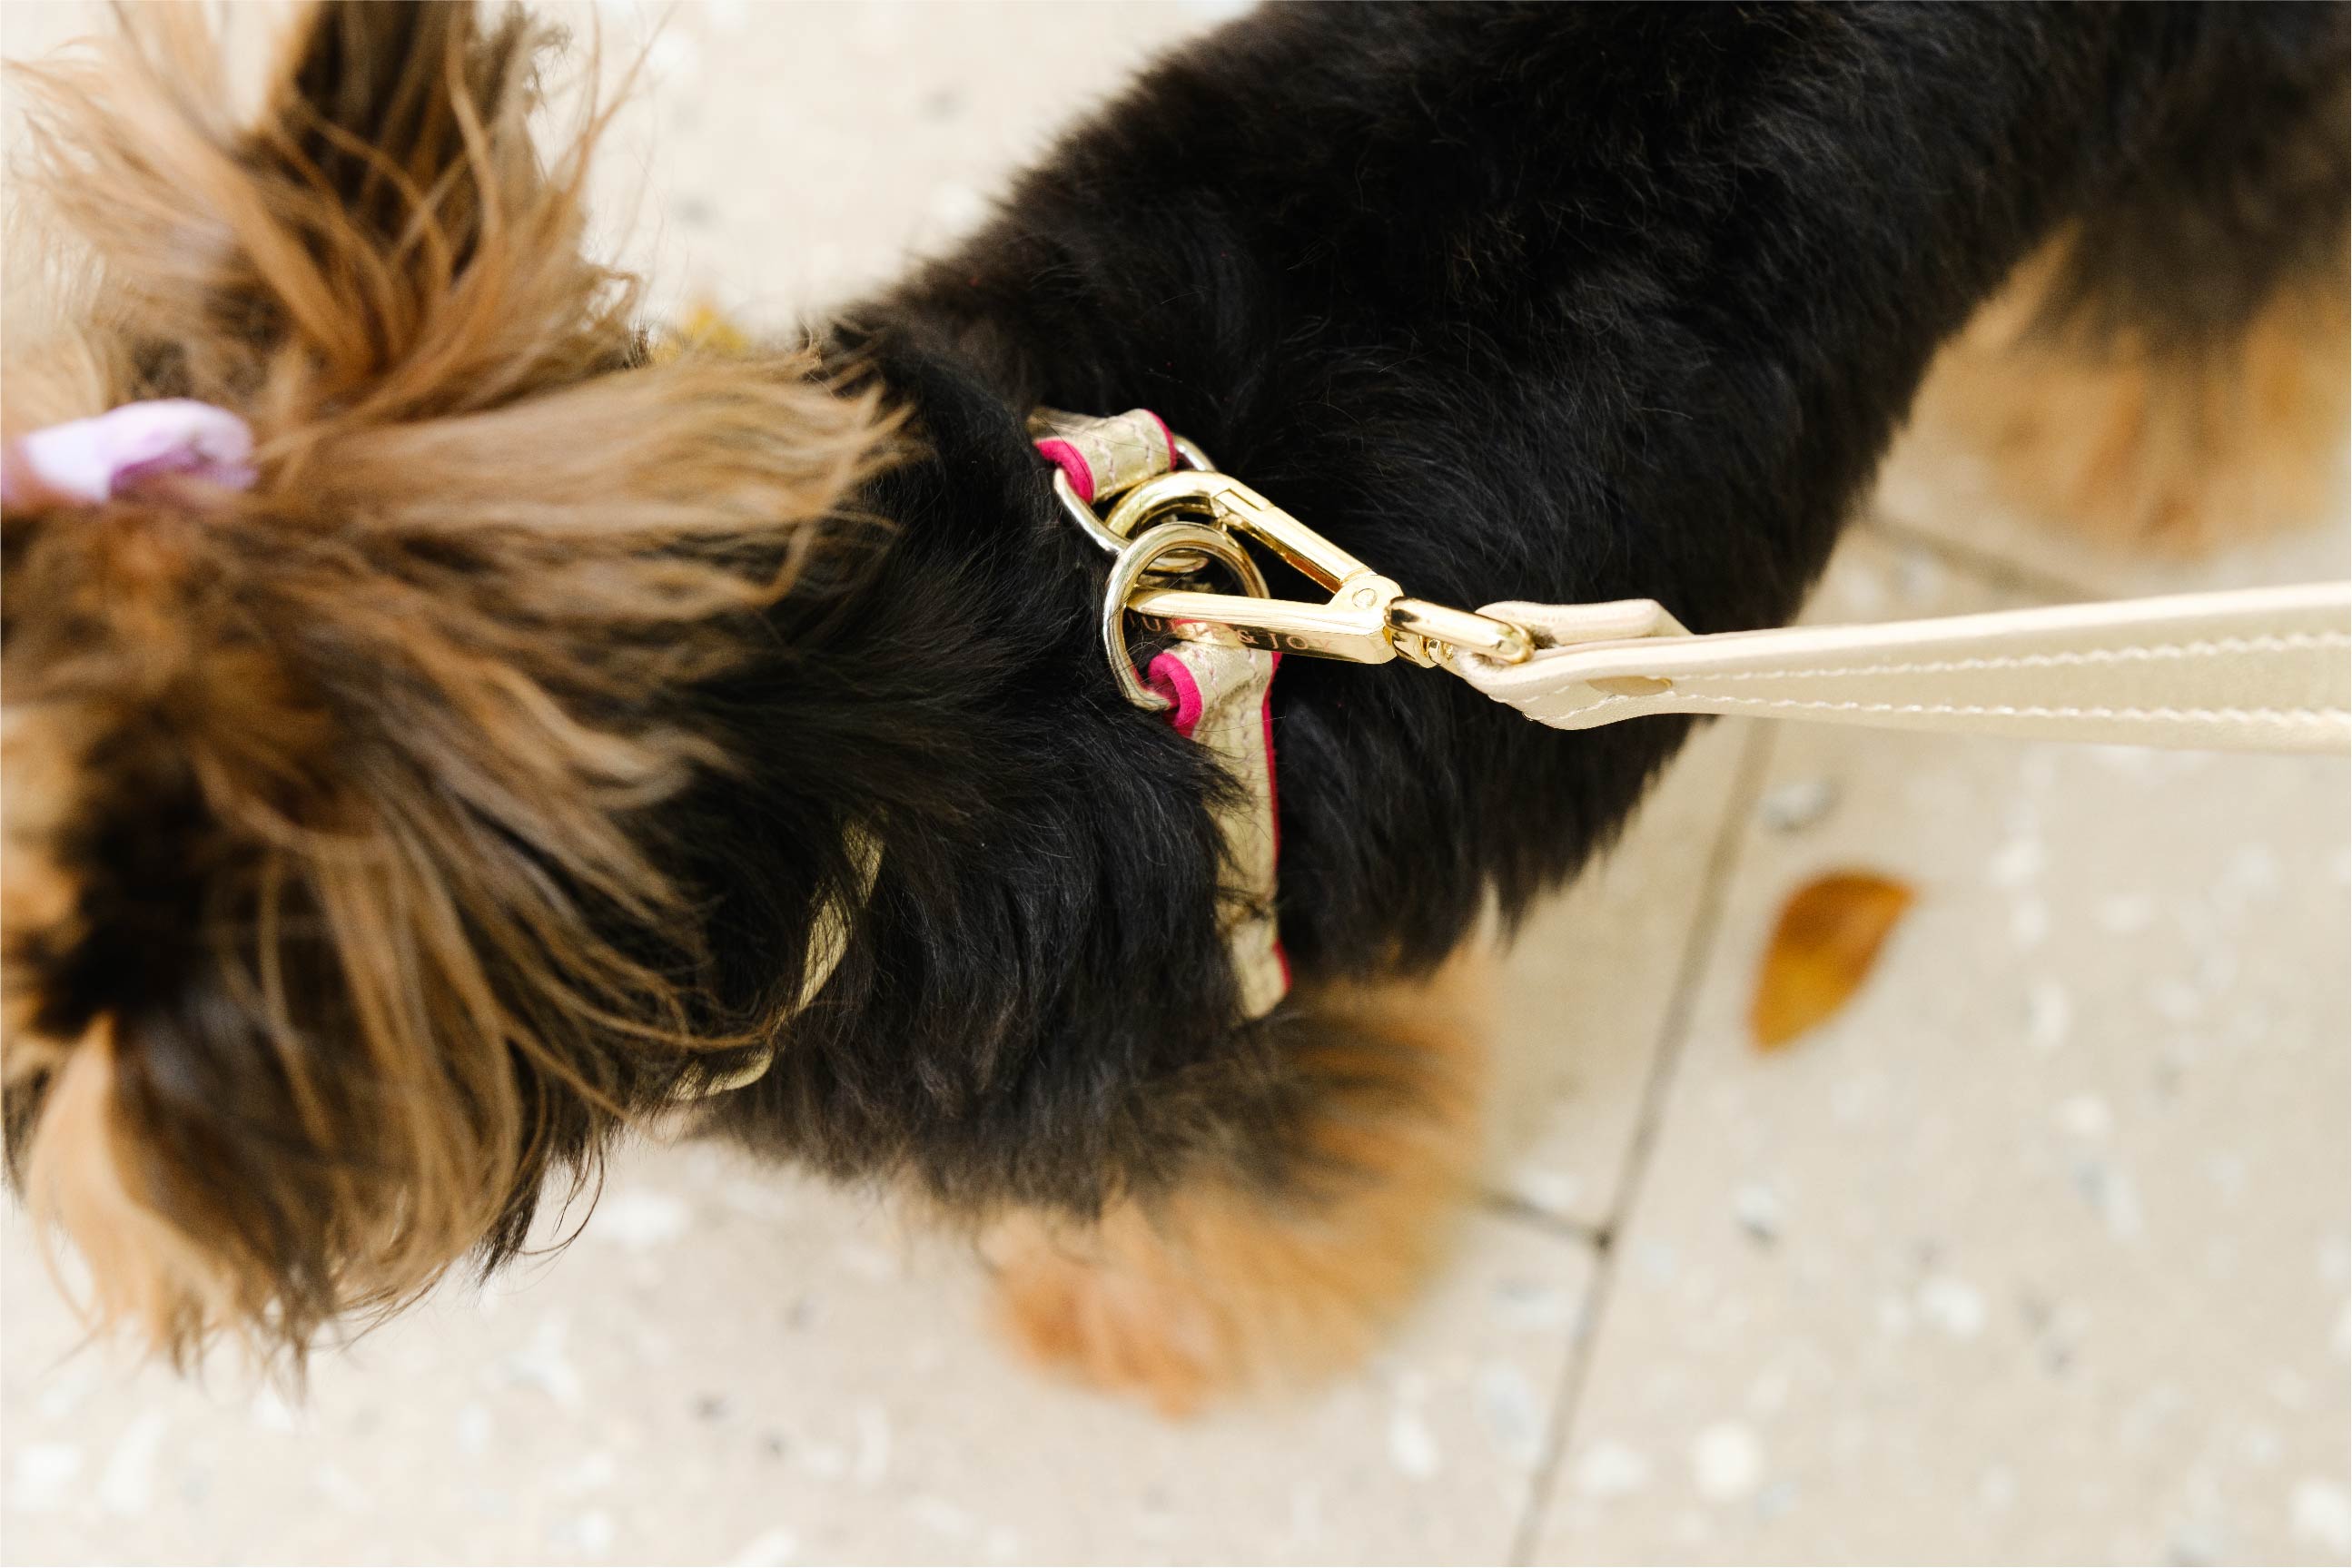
{"x":1274,"y":802}
{"x":1169,"y":678}
{"x":1175,"y":458}
{"x":1064,"y":456}
{"x":1273,"y":774}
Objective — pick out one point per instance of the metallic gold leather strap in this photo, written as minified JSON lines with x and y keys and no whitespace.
{"x":828,"y":944}
{"x":1216,"y":690}
{"x":1104,"y":455}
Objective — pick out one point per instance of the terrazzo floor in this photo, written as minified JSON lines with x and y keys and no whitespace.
{"x":2037,"y":1252}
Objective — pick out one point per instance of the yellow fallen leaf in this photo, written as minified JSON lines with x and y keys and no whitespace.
{"x":1822,"y":950}
{"x":703,"y":327}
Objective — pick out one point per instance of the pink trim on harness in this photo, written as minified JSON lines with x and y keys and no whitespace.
{"x":1064,"y":456}
{"x":1274,"y":803}
{"x":1169,"y":678}
{"x":1103,"y":456}
{"x":1175,"y":458}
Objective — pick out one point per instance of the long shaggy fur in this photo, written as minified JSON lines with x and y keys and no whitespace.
{"x":1221,"y":1281}
{"x":404,"y":824}
{"x":341,"y":792}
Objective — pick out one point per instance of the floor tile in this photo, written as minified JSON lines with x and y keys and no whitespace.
{"x":731,"y":1365}
{"x":1586,"y":989}
{"x":1589,"y":984}
{"x":2038,"y":1251}
{"x":782,"y":160}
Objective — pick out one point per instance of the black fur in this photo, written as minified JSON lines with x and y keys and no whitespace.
{"x":1558,"y":303}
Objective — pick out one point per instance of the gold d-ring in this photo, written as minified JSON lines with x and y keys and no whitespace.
{"x":1136,"y":560}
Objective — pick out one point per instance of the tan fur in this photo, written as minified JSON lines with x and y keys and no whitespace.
{"x":1221,"y":1286}
{"x":405,"y":675}
{"x":40,"y":757}
{"x":2135,"y":445}
{"x":144,"y":1274}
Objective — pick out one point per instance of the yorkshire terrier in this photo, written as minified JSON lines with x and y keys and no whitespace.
{"x":446,"y":723}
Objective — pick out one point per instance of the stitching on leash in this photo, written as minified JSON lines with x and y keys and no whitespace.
{"x":2293,"y":641}
{"x":1958,"y":710}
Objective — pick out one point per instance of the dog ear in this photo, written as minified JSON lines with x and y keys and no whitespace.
{"x":384,"y":213}
{"x":448,"y":263}
{"x":355,"y":921}
{"x":393,"y":103}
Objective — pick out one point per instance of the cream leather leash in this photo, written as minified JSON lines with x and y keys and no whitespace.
{"x":2262,"y":669}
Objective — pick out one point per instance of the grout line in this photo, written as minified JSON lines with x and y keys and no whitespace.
{"x":1994,"y":570}
{"x":1699,"y":948}
{"x":1514,"y":1209}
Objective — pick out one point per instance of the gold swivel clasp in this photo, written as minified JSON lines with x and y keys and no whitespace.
{"x":1165,"y":527}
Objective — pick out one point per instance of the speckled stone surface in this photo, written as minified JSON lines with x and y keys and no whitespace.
{"x":2038,"y":1252}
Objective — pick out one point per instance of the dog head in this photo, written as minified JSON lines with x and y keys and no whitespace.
{"x":335,"y":915}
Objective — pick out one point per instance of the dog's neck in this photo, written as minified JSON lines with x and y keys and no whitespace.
{"x":1049,"y":873}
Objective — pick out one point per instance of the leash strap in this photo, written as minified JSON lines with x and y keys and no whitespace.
{"x":1220,"y":696}
{"x":828,"y":944}
{"x":2266,"y":669}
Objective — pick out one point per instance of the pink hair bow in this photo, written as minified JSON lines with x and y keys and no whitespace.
{"x":85,"y":461}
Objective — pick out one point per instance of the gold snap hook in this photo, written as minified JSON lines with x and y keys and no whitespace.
{"x":1368,"y":618}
